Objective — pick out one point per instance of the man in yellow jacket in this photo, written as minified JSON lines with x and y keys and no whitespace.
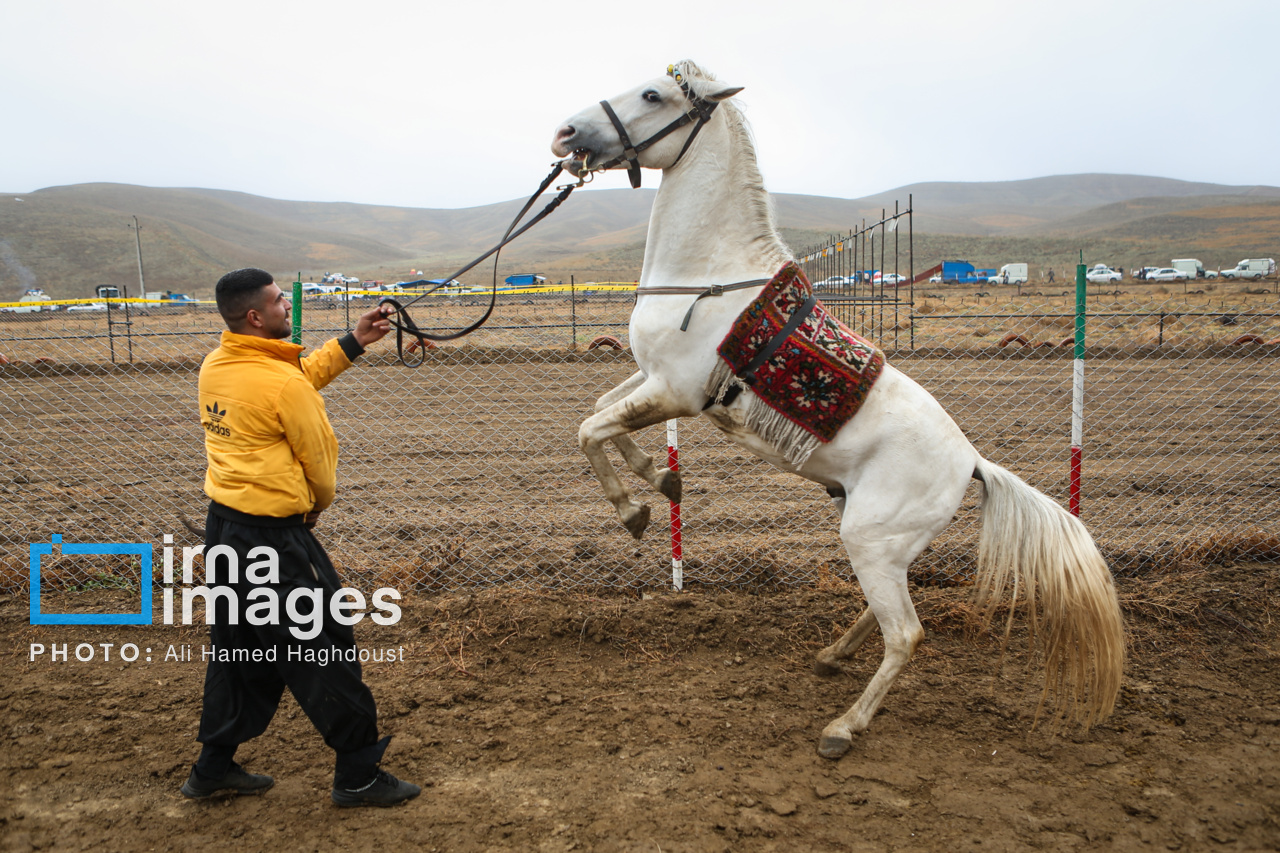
{"x":272,"y":465}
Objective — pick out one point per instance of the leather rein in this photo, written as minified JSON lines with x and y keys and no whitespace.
{"x":700,"y":113}
{"x":404,"y":323}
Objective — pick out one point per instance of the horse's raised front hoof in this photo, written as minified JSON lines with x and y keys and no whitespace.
{"x":637,"y":521}
{"x":826,"y":669}
{"x":671,"y":485}
{"x":833,"y":747}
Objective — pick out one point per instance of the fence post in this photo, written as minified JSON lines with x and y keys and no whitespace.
{"x":128,"y":320}
{"x":911,"y":259}
{"x":111,"y":337}
{"x":677,"y":545}
{"x":297,"y":309}
{"x":573,"y":311}
{"x":1077,"y":391}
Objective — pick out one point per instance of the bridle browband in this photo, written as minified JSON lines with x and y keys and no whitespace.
{"x":700,"y":111}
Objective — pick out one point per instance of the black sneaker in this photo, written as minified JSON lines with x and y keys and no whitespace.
{"x":384,"y":790}
{"x":236,"y":780}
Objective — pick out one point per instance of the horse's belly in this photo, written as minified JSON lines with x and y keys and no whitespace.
{"x":899,"y":421}
{"x":733,"y":429}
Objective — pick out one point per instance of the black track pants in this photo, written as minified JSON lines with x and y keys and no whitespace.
{"x":241,"y":697}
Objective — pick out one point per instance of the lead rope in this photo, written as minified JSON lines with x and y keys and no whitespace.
{"x":404,"y":323}
{"x":700,"y":113}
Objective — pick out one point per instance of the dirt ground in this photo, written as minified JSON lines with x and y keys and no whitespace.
{"x":558,"y":721}
{"x":641,"y":720}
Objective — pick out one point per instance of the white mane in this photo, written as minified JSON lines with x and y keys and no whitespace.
{"x":745,"y":171}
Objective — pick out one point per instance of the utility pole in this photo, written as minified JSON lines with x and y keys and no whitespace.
{"x":137,"y":234}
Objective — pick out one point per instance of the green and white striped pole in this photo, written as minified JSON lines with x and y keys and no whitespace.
{"x":297,"y":310}
{"x":1077,"y":392}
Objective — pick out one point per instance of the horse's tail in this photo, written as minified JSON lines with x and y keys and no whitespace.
{"x":1049,"y":557}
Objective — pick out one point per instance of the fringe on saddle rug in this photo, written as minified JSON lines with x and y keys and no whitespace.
{"x":815,"y":382}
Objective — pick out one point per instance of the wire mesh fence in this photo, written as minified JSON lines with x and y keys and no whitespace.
{"x":466,"y":471}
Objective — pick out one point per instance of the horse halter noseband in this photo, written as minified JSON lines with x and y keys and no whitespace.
{"x":700,"y":111}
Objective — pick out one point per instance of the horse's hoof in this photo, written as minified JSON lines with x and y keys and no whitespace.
{"x":833,"y":747}
{"x":671,"y":485}
{"x":637,"y":522}
{"x":826,"y":669}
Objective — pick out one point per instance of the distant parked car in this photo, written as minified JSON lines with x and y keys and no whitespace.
{"x":936,"y":278}
{"x":88,"y":306}
{"x":833,"y":281}
{"x":1167,"y":274}
{"x":1103,"y":275}
{"x":893,"y":278}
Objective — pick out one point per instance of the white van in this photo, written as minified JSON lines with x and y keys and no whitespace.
{"x":33,"y":297}
{"x":1010,"y":274}
{"x":1191,"y":266}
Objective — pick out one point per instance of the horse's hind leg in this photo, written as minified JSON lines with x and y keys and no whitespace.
{"x":828,"y":660}
{"x":665,"y":480}
{"x":883,"y":575}
{"x":884,"y":528}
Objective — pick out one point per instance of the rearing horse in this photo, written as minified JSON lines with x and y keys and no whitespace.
{"x":897,"y":471}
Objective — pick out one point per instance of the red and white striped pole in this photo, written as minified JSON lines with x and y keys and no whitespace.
{"x":1077,"y":393}
{"x":673,"y":462}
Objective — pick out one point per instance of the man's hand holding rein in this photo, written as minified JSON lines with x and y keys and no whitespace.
{"x":372,"y":326}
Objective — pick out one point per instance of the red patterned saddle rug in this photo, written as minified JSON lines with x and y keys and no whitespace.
{"x":812,"y":385}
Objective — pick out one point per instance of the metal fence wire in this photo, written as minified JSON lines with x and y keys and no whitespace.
{"x":466,"y":471}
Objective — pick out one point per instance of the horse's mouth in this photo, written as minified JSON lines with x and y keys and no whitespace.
{"x":578,"y":161}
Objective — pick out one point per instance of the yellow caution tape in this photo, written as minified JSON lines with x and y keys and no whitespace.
{"x":472,"y":291}
{"x":37,"y":303}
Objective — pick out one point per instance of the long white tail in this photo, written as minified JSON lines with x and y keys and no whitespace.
{"x":1053,"y":564}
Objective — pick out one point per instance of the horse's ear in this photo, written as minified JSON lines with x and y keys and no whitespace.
{"x":723,"y":94}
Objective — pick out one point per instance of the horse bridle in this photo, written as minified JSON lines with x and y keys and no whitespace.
{"x":700,"y":111}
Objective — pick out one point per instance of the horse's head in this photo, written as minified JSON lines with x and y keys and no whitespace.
{"x":651,"y":125}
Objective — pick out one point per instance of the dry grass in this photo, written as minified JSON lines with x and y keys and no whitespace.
{"x":1162,"y":597}
{"x":1222,"y":548}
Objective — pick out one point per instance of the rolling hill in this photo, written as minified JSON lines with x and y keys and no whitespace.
{"x":69,"y":239}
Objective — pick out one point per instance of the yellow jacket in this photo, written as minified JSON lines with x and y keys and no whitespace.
{"x":270,"y":447}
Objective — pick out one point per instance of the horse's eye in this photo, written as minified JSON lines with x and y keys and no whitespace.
{"x":652,"y":97}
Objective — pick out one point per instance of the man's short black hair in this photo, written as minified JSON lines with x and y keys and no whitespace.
{"x":237,"y":291}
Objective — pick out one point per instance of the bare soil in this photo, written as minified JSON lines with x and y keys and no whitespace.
{"x":541,"y":717}
{"x":559,"y":721}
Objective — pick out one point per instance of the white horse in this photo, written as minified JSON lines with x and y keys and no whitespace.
{"x":897,"y":471}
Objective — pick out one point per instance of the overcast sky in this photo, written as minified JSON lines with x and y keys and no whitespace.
{"x":453,"y":104}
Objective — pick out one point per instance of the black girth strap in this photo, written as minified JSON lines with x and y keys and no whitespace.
{"x":629,"y":152}
{"x":713,"y":290}
{"x":748,"y":376}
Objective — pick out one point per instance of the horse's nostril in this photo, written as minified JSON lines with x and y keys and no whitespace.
{"x":566,"y":132}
